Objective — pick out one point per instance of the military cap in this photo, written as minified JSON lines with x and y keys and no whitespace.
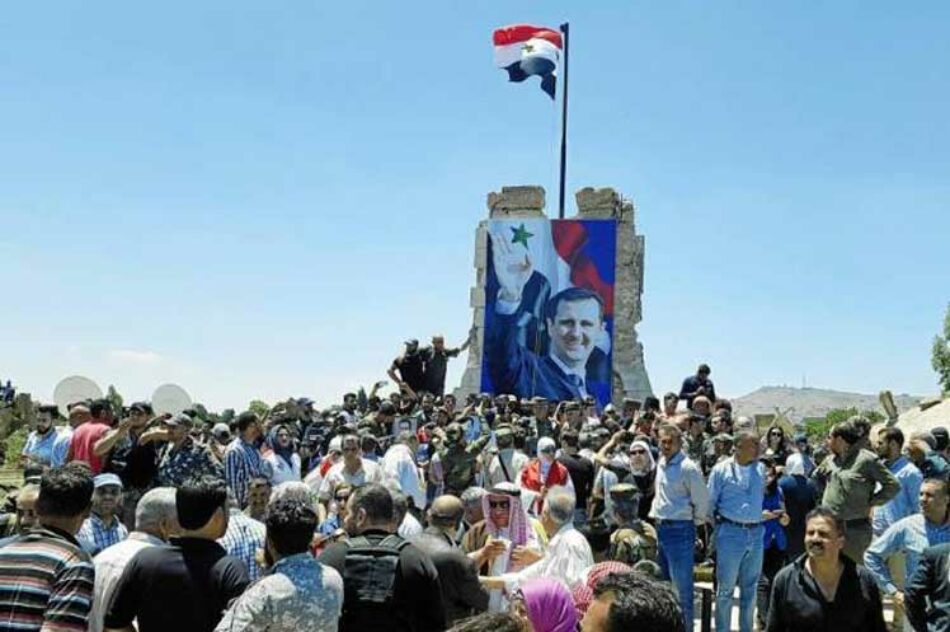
{"x":624,"y":491}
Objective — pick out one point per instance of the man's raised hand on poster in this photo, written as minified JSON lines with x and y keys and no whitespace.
{"x":513,"y":267}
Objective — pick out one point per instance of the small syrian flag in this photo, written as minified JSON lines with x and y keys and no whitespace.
{"x":525,"y":50}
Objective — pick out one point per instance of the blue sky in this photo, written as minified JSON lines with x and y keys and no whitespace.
{"x":264,"y":199}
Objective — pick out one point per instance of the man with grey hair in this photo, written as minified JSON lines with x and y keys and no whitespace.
{"x":155,"y":521}
{"x":568,"y":556}
{"x":293,"y":490}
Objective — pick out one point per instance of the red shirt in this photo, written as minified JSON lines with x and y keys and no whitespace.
{"x":83,"y":441}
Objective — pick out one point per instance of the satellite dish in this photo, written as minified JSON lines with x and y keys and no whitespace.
{"x":171,"y":399}
{"x":74,"y":389}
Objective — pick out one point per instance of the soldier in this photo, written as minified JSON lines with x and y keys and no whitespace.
{"x":694,"y":442}
{"x":634,"y":540}
{"x":457,"y":461}
{"x":851,"y":475}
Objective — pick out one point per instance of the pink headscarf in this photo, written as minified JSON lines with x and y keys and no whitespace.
{"x":549,"y":605}
{"x":517,"y":520}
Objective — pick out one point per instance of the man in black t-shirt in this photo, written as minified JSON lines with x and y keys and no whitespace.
{"x":400,"y":580}
{"x":581,"y":471}
{"x":410,"y":366}
{"x":188,"y":584}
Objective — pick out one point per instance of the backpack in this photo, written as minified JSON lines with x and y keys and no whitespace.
{"x":369,"y":579}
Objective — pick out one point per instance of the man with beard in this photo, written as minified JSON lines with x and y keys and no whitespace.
{"x":134,"y":461}
{"x":504,"y":540}
{"x":506,"y":466}
{"x":698,"y":385}
{"x":103,"y":528}
{"x":38,"y":449}
{"x":889,"y":443}
{"x":389,"y":584}
{"x":823,"y":589}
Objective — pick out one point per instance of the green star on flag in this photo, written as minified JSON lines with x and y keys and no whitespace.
{"x":521,"y":235}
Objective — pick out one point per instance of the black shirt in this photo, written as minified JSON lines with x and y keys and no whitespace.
{"x":417,"y":593}
{"x":798,"y":604}
{"x":462,"y":594}
{"x":582,"y":475}
{"x":136,"y":464}
{"x":436,"y":365}
{"x":184,"y":586}
{"x":411,"y":370}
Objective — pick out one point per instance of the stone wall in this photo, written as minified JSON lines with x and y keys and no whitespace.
{"x":630,"y":376}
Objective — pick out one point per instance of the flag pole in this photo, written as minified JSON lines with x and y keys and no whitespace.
{"x":565,"y":28}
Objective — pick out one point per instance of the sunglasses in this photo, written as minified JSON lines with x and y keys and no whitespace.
{"x":498,"y":504}
{"x":639,"y":451}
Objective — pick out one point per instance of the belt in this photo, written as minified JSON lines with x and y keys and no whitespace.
{"x":736,"y":523}
{"x":662,"y":521}
{"x":857,"y":522}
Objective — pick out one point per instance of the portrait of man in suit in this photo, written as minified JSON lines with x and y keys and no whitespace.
{"x":537,"y":344}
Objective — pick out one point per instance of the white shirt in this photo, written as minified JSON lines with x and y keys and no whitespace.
{"x":409,"y":527}
{"x":568,"y":558}
{"x":110,"y":564}
{"x":368,"y":473}
{"x":399,"y":465}
{"x":281,"y":471}
{"x":515,"y":461}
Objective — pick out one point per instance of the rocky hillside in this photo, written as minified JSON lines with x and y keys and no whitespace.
{"x":811,"y":402}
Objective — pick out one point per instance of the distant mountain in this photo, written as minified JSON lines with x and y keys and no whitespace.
{"x":811,"y":402}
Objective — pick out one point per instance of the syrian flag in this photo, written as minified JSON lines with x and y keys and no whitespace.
{"x":525,"y":51}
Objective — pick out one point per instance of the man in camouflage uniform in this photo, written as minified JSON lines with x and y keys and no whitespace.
{"x":457,"y":460}
{"x":694,"y":440}
{"x":182,"y":457}
{"x":633,"y":540}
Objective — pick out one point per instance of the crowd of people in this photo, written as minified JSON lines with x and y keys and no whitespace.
{"x":417,"y":512}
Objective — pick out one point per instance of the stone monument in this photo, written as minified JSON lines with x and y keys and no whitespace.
{"x":630,"y":377}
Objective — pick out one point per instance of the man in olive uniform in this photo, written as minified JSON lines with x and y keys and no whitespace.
{"x":634,"y":540}
{"x":694,"y":441}
{"x":457,"y":460}
{"x":850,"y":474}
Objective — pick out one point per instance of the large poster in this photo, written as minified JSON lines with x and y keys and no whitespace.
{"x":549,"y":305}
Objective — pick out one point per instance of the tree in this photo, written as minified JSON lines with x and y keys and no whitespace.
{"x":940,"y":357}
{"x":820,"y":429}
{"x":259,"y":408}
{"x":115,"y":400}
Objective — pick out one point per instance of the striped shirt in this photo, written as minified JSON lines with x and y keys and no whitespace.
{"x":244,"y":537}
{"x":242,"y":462}
{"x":46,"y":581}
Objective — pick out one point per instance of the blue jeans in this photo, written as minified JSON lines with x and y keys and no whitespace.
{"x":675,"y":551}
{"x":738,"y":563}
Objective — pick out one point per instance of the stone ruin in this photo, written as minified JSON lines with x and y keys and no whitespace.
{"x":630,"y":377}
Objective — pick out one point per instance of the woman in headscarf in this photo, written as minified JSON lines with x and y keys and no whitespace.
{"x":280,"y":454}
{"x":544,"y":472}
{"x":497,"y":541}
{"x":545,"y":605}
{"x":642,"y":474}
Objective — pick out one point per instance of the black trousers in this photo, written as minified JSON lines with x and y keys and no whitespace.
{"x":773,"y":560}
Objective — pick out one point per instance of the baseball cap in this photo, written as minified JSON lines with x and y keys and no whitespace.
{"x":143,"y":407}
{"x":104,"y":480}
{"x":336,"y":444}
{"x":546,"y":444}
{"x":941,"y":435}
{"x":221,"y":431}
{"x":180,"y":419}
